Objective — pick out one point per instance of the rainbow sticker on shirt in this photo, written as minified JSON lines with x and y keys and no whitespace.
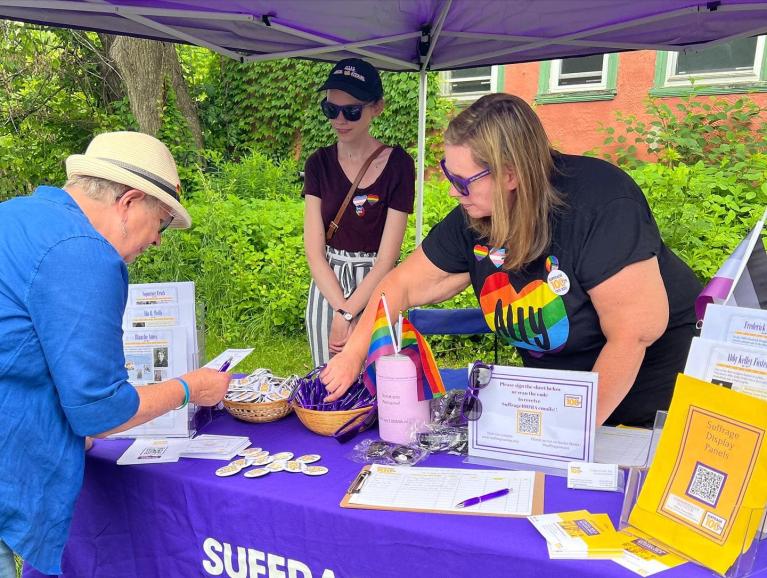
{"x":533,"y":318}
{"x":360,"y":200}
{"x":480,"y":252}
{"x":552,"y":263}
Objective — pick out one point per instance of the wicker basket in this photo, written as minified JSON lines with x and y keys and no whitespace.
{"x":258,"y":412}
{"x":326,"y":423}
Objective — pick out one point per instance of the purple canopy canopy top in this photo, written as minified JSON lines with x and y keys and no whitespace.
{"x":409,"y":35}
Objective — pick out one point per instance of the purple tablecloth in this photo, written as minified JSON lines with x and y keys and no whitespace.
{"x":180,"y":520}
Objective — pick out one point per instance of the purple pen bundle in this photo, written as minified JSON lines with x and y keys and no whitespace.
{"x":342,"y":418}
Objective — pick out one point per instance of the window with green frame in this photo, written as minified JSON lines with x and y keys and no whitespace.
{"x":467,"y":85}
{"x":729,"y":67}
{"x":578,"y":79}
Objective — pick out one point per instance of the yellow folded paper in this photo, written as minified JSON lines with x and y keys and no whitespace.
{"x":645,"y":556}
{"x":706,"y":486}
{"x":578,"y":534}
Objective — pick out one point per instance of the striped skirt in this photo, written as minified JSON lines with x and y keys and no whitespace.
{"x":350,"y":268}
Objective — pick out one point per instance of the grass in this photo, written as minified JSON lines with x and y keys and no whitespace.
{"x":281,"y":354}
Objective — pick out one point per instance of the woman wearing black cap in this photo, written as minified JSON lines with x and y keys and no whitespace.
{"x":352,"y":235}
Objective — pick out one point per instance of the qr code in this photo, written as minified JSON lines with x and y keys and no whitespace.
{"x":706,"y":484}
{"x":529,"y":422}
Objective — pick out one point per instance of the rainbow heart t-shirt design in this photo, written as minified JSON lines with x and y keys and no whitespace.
{"x":534,"y":318}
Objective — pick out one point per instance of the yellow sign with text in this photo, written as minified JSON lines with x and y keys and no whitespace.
{"x":705,"y":489}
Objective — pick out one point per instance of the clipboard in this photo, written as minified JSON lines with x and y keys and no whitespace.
{"x":438,"y":490}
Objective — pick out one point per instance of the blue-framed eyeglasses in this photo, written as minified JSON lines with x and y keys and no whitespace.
{"x":462,"y":185}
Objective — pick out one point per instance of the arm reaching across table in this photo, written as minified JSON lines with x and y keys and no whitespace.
{"x":417,"y":281}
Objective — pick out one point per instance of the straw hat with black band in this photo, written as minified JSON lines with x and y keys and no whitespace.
{"x":137,"y":160}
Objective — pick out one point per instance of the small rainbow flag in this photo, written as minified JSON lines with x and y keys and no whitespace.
{"x":381,"y":343}
{"x":413,"y":345}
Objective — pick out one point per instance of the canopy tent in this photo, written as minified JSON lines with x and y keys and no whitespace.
{"x":410,"y":35}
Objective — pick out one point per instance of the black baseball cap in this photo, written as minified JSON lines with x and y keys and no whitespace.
{"x":356,"y":77}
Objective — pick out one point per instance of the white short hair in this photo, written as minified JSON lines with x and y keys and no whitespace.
{"x":104,"y":190}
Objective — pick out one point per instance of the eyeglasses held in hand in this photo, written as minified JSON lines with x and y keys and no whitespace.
{"x":461,"y":185}
{"x":352,"y":112}
{"x":479,"y":377}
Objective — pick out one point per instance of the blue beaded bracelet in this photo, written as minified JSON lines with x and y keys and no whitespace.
{"x":186,"y":393}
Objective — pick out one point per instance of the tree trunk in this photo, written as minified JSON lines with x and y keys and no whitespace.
{"x":183,"y":99}
{"x":140,"y":63}
{"x":147,"y":68}
{"x":112,"y":88}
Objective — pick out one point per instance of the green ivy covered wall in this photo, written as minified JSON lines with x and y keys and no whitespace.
{"x":273,"y":107}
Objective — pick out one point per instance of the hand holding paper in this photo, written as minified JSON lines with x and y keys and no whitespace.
{"x":207,"y":386}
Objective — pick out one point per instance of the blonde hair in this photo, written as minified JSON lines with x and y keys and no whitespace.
{"x":504,"y":134}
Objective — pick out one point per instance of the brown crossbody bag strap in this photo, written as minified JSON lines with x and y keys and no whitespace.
{"x":333,"y":227}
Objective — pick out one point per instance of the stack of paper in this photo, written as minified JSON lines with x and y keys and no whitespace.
{"x":624,"y":446}
{"x":163,"y":450}
{"x":215,"y":447}
{"x":160,"y":343}
{"x":153,"y":451}
{"x":578,"y":535}
{"x":731,"y":350}
{"x":645,"y":556}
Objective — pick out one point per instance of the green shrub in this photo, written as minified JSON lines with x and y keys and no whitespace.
{"x":246,"y":258}
{"x":707,"y":188}
{"x":704,"y":211}
{"x":711,"y":130}
{"x":256,"y":177}
{"x":274,"y":107}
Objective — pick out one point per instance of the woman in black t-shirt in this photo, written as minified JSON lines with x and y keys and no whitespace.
{"x":367,"y":243}
{"x":564,"y":257}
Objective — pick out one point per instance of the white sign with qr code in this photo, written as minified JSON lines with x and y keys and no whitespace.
{"x":153,"y":451}
{"x":536,"y":417}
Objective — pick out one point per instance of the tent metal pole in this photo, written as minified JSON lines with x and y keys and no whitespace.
{"x":119,"y":9}
{"x":327,"y":42}
{"x":422,"y":86}
{"x":170,"y":31}
{"x":332,"y":47}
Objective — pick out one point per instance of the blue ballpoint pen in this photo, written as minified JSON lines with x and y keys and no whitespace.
{"x":226,"y":364}
{"x":483,"y":498}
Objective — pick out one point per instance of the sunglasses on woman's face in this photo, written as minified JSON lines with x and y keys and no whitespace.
{"x":352,"y":112}
{"x":478,"y":378}
{"x":461,"y":185}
